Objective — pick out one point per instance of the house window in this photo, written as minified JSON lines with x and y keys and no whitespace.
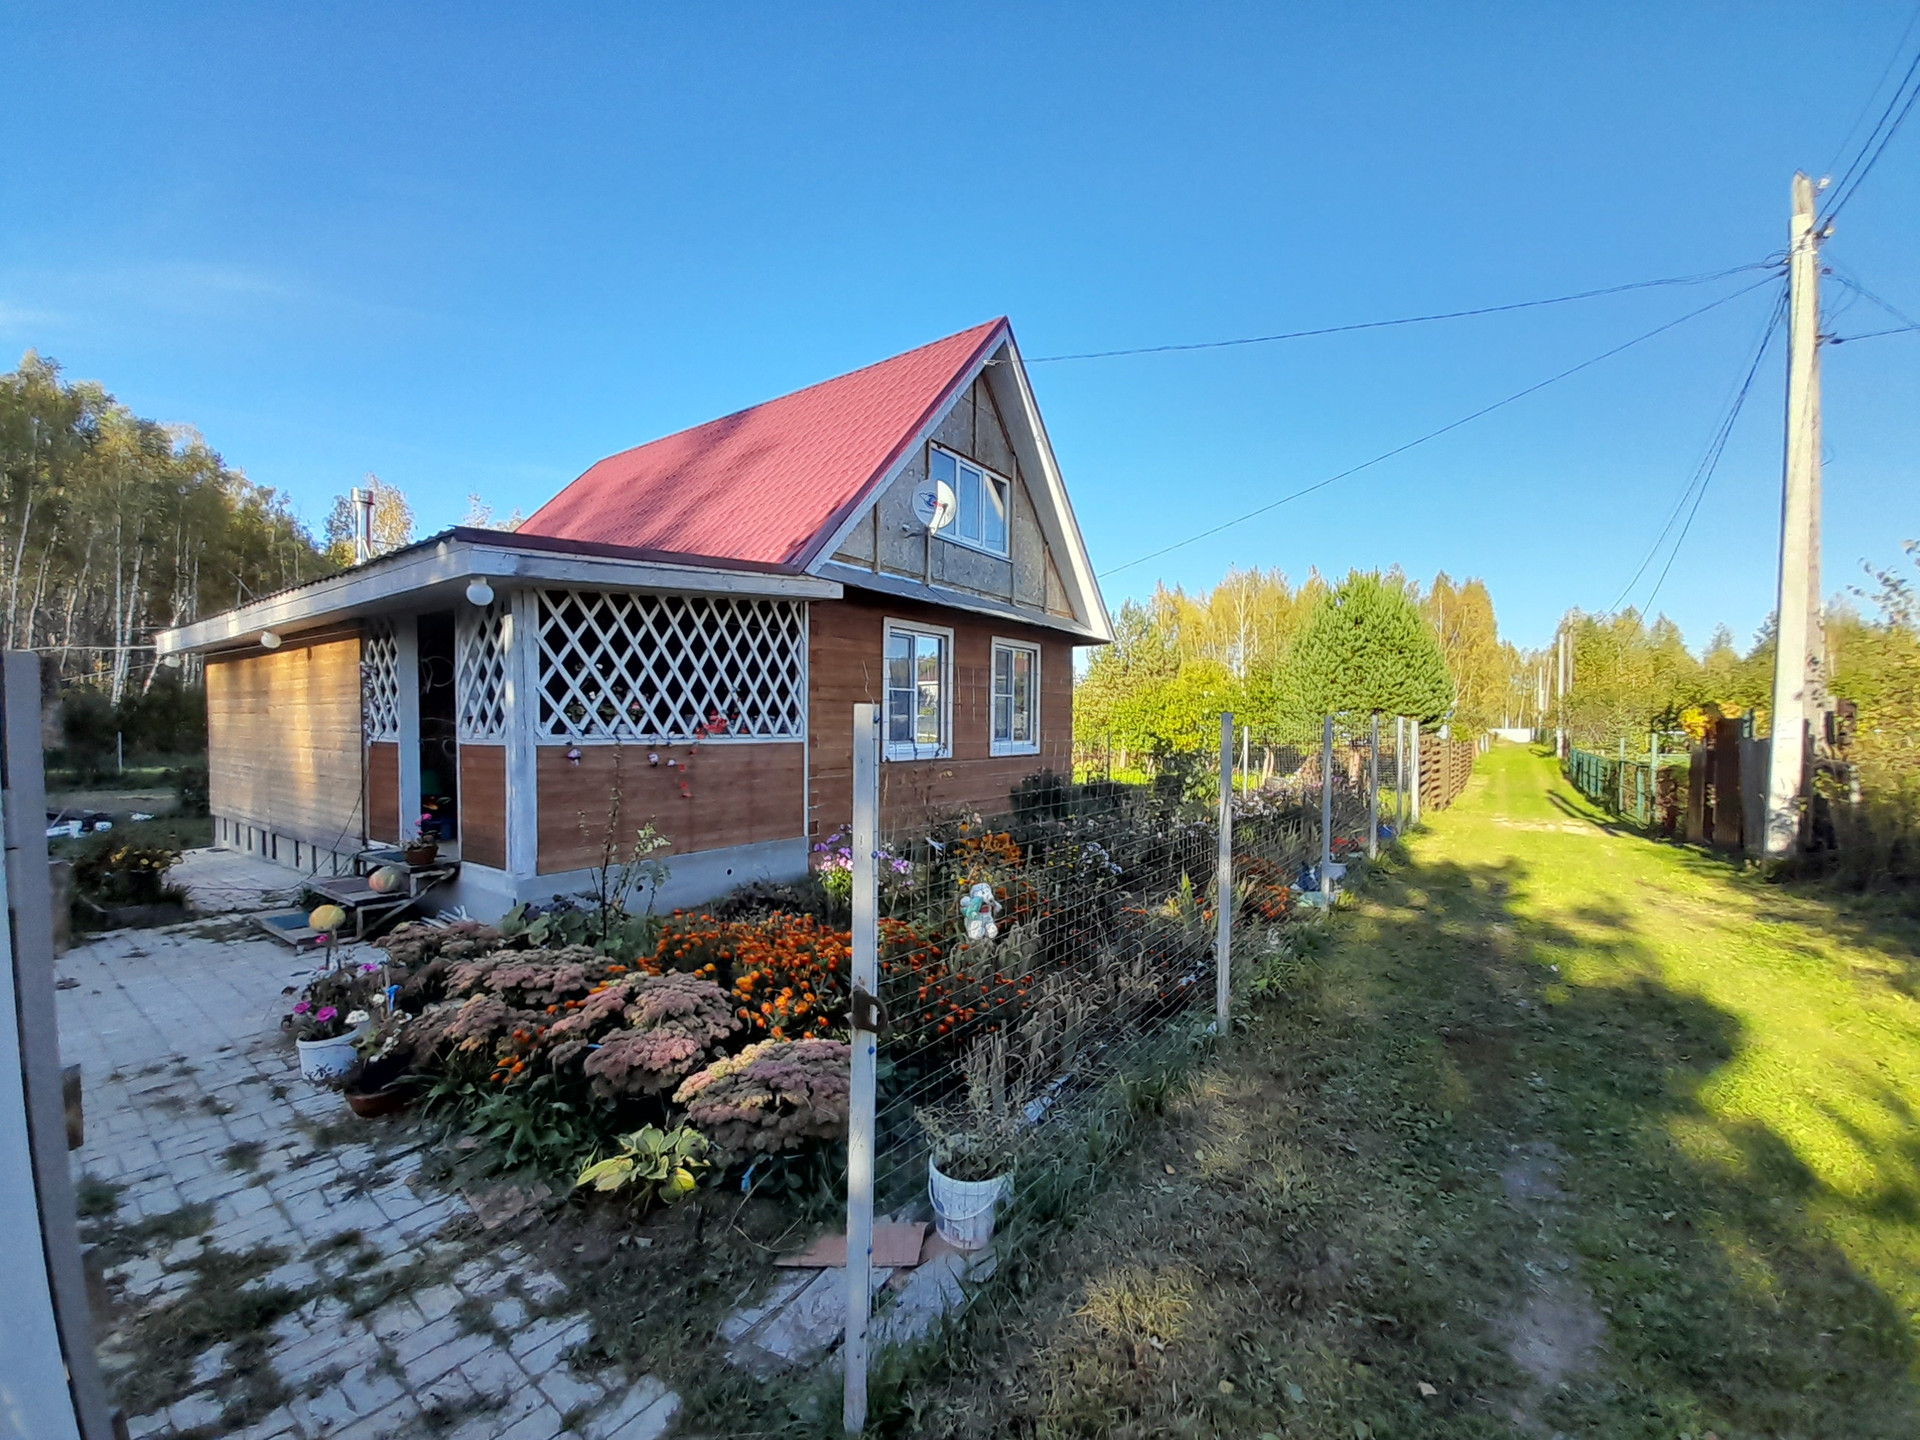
{"x":981,"y":502}
{"x":919,"y":669}
{"x":1016,"y":698}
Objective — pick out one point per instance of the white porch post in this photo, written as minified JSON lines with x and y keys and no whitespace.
{"x":406,"y":645}
{"x":521,"y":638}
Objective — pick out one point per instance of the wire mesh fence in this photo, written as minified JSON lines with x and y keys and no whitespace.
{"x":1045,"y":970}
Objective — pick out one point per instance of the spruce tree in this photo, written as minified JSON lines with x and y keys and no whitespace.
{"x":1366,"y":651}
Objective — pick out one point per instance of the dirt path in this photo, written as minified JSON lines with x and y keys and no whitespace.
{"x":1559,"y":1131}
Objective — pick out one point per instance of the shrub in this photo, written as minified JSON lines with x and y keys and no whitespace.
{"x":192,"y":795}
{"x":118,"y":871}
{"x":673,"y":1023}
{"x":415,"y":944}
{"x":531,"y":979}
{"x":88,"y":727}
{"x":773,"y":1097}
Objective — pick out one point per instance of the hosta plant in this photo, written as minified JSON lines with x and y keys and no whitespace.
{"x":651,"y":1164}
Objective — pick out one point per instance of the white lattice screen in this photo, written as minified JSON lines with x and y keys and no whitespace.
{"x":481,"y":671}
{"x":379,"y":682}
{"x":632,"y":667}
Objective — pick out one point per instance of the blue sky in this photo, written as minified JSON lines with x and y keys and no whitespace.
{"x":476,"y":248}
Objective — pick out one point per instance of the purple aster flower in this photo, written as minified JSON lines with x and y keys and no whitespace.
{"x":326,"y":1013}
{"x":302,"y":1007}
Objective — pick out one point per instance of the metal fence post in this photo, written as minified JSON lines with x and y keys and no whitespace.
{"x":1413,"y":776}
{"x":1373,"y":790}
{"x":1326,"y":802}
{"x":1223,"y":886}
{"x":1399,"y":773}
{"x":1653,"y":780}
{"x":865,"y":845}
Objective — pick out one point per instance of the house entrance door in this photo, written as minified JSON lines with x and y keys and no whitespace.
{"x":439,"y":728}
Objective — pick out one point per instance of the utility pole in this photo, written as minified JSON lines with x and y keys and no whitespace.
{"x":1799,"y":647}
{"x":1560,"y":658}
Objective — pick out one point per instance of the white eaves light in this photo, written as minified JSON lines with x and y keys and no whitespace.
{"x":269,"y":640}
{"x":479,"y":592}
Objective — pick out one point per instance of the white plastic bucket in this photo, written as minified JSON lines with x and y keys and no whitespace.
{"x":963,"y":1209}
{"x":326,"y":1059}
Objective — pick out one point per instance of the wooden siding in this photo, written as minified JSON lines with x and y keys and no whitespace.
{"x":845,"y":669}
{"x":736,"y":794}
{"x":483,"y":805}
{"x":893,"y":541}
{"x":283,"y":740}
{"x":383,"y":791}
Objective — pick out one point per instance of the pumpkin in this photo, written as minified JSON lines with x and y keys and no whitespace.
{"x":387,"y":879}
{"x":327,"y":918}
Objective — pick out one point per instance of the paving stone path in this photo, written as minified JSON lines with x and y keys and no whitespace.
{"x":266,"y":1265}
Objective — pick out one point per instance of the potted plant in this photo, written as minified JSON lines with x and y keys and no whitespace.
{"x":380,"y":1085}
{"x":330,"y":1015}
{"x":973,"y":1147}
{"x":424,"y":847}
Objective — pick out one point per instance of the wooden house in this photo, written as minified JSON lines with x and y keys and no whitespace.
{"x":689,"y":624}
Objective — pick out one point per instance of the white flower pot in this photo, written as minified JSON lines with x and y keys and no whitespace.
{"x":326,"y":1059}
{"x":963,"y":1209}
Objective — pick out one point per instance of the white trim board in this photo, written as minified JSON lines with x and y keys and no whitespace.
{"x":409,"y":576}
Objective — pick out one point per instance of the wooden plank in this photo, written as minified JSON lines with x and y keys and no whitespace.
{"x":1728,"y":811}
{"x":483,"y":805}
{"x":698,"y":797}
{"x":283,"y":740}
{"x":845,"y":668}
{"x":383,"y":791}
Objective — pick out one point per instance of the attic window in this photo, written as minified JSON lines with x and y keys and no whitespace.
{"x":981,"y":496}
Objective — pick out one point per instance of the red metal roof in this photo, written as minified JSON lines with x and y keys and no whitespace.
{"x":767,"y":486}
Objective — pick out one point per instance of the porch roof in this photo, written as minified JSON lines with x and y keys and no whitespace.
{"x":435,"y":572}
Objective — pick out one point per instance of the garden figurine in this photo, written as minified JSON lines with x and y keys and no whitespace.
{"x":977,"y":908}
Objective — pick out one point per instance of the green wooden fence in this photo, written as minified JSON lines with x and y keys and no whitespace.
{"x":1624,"y":784}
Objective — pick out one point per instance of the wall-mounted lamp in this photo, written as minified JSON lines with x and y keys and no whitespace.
{"x":172,"y":662}
{"x":479,"y":592}
{"x":269,"y":640}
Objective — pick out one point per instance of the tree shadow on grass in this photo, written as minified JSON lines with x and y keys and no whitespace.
{"x":1707,"y":1241}
{"x":1327,"y":1199}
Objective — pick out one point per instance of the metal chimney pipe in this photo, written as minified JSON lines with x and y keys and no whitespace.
{"x":362,"y":525}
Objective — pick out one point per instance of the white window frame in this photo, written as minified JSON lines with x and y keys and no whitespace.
{"x":951,"y":534}
{"x":908,"y":749}
{"x":1010,"y":746}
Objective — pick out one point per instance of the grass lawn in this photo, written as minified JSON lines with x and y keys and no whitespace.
{"x":1561,"y":1130}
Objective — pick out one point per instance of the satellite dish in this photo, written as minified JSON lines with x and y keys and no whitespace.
{"x":934,"y":505}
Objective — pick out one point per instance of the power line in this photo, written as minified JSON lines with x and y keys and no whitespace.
{"x":1875,"y":145}
{"x":1866,"y":106}
{"x":1768,"y":264}
{"x":1435,"y":434}
{"x":1905,"y":319}
{"x":1869,"y":335}
{"x":1703,"y":473}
